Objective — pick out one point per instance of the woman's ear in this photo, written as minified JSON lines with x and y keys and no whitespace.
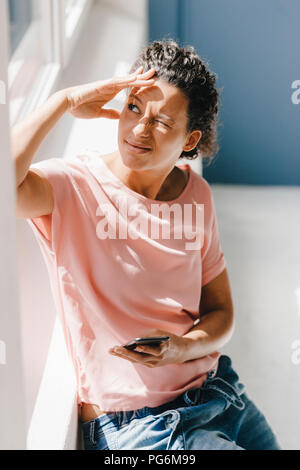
{"x":192,"y":140}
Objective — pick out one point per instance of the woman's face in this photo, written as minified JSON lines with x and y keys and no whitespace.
{"x":155,"y":118}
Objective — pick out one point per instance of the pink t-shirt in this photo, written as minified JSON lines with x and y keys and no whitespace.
{"x":110,"y":288}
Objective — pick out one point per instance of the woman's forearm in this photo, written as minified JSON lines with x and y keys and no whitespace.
{"x":28,"y":134}
{"x":212,"y":332}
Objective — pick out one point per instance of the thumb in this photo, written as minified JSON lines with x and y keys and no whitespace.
{"x":110,"y":113}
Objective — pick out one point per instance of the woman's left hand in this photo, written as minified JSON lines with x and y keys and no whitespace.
{"x":168,"y":352}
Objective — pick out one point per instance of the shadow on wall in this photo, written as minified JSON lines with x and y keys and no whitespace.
{"x":80,"y":443}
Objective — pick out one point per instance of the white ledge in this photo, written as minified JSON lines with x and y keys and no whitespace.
{"x":54,"y":423}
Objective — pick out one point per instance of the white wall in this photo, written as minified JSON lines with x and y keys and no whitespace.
{"x":135,"y":8}
{"x":12,"y":404}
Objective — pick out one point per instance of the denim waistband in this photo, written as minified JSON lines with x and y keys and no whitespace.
{"x":222,"y":383}
{"x":118,"y":418}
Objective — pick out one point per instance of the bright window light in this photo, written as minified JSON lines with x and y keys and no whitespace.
{"x":25,"y":52}
{"x":42,"y":38}
{"x":73,"y":11}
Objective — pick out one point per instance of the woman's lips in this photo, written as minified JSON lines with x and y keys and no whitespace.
{"x":135,"y":149}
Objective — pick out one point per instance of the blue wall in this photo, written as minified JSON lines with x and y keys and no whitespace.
{"x":164,"y":19}
{"x":254,"y":48}
{"x":20,"y":16}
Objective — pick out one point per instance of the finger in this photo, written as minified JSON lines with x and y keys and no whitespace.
{"x":149,"y":73}
{"x":121,"y":81}
{"x":123,"y":356}
{"x":149,"y":350}
{"x":137,"y":358}
{"x":132,"y":355}
{"x":138,"y":70}
{"x":136,"y":76}
{"x":139,"y":83}
{"x":110,"y":113}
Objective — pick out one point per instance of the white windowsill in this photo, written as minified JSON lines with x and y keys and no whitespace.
{"x":56,"y":404}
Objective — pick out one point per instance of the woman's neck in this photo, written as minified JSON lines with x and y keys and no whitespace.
{"x":163,"y":188}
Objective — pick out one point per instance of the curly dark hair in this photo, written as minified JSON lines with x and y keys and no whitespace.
{"x":182,"y":67}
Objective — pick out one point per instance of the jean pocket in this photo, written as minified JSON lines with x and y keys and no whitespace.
{"x":222,"y":388}
{"x":224,"y":384}
{"x":88,"y":430}
{"x":96,"y":439}
{"x":192,"y":396}
{"x":152,"y":432}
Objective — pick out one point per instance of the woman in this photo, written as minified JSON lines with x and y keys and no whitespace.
{"x":114,"y":278}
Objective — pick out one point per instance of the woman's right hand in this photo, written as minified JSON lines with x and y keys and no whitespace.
{"x":87,"y":101}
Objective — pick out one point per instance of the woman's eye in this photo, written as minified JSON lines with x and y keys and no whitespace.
{"x":131,"y":105}
{"x":163,"y":123}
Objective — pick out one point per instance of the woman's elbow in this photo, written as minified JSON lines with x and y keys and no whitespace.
{"x":230,"y":324}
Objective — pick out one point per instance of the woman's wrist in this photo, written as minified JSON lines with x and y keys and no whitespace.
{"x":191,"y":348}
{"x":63,"y":99}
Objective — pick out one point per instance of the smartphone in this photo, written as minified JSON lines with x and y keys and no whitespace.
{"x":153,"y":341}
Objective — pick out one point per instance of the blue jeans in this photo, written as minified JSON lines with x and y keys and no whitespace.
{"x":217,"y":416}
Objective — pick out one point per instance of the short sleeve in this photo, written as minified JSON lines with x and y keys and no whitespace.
{"x":54,"y":170}
{"x":213,"y":260}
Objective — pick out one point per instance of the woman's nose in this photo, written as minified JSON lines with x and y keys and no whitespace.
{"x":142,"y":128}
